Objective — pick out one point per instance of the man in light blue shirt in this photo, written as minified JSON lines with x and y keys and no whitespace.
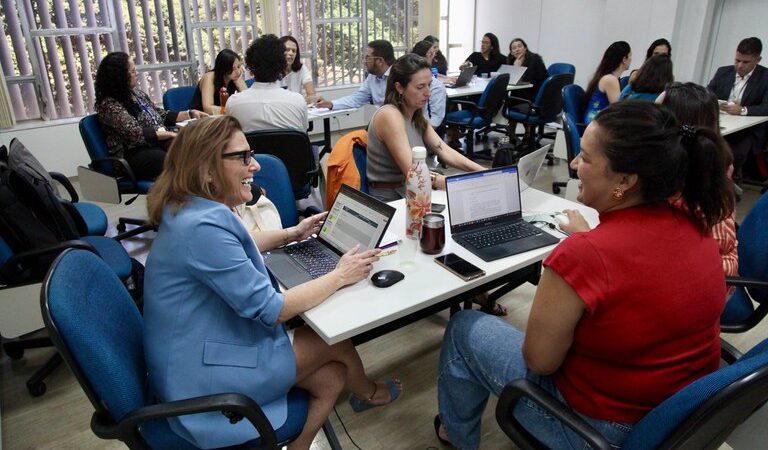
{"x":378,"y":58}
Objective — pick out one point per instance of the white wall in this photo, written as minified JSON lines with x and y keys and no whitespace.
{"x":738,"y":19}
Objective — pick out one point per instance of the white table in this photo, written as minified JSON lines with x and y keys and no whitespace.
{"x":477,"y":86}
{"x":362,"y":308}
{"x":326,"y":115}
{"x":731,"y":124}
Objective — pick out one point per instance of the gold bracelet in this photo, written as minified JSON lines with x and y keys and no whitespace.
{"x":433,"y":177}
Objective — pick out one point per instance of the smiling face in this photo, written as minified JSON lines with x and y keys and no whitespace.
{"x":517,"y":49}
{"x":596,"y":179}
{"x":290,"y":52}
{"x":238,"y":175}
{"x":416,"y":93}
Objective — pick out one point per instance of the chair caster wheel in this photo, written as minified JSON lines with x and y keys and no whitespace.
{"x":550,"y":162}
{"x":121,"y":227}
{"x":555,"y":189}
{"x":36,"y":389}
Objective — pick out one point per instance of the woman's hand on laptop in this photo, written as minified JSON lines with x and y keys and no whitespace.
{"x":354,"y":266}
{"x":309,"y":226}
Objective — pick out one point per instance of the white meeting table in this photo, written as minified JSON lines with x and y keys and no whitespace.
{"x":477,"y":86}
{"x":731,"y":124}
{"x":326,"y":115}
{"x":363,"y":310}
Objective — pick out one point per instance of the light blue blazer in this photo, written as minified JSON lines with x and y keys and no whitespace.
{"x":210,"y":322}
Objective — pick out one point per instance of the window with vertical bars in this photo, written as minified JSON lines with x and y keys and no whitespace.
{"x":50,"y":49}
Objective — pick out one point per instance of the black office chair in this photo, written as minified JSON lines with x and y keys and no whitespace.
{"x":294,"y":149}
{"x":545,"y":107}
{"x":700,"y":416}
{"x":479,"y":116}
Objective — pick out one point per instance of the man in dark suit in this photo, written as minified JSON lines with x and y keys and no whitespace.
{"x":743,"y":89}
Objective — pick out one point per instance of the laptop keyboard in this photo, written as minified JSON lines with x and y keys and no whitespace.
{"x":312,"y":257}
{"x":501,"y":234}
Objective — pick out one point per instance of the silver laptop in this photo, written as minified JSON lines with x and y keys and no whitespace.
{"x":487,"y":216}
{"x":529,"y":165}
{"x":464,"y":77}
{"x":515,"y":72}
{"x":354,"y":218}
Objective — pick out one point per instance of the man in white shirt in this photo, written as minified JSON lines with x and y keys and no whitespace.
{"x":266,"y":105}
{"x":378,"y":58}
{"x":743,"y":89}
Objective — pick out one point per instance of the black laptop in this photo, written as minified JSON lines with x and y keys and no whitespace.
{"x":487,"y":216}
{"x":355,"y":218}
{"x":464,"y":77}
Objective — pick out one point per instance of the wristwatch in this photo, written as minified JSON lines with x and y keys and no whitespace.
{"x":743,"y":111}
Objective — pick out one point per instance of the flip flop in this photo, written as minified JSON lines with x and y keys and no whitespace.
{"x":437,"y":431}
{"x":364,"y":405}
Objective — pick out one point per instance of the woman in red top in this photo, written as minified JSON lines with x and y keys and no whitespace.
{"x":626,"y":314}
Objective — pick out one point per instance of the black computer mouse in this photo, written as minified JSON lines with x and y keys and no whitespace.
{"x":386,"y":278}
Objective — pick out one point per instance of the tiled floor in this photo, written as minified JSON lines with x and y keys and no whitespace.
{"x":60,"y":418}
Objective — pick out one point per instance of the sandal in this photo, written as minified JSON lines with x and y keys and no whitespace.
{"x":364,"y":405}
{"x":489,"y":307}
{"x":437,"y":431}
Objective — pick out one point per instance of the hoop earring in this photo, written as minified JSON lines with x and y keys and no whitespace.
{"x":618,"y":194}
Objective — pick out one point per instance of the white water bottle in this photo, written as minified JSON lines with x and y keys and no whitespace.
{"x":418,"y":202}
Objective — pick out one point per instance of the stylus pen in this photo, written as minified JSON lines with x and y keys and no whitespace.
{"x":391,"y":244}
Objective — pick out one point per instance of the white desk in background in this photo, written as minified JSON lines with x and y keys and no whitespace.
{"x":365,"y":311}
{"x":731,"y":124}
{"x":326,"y":115}
{"x":478,"y":86}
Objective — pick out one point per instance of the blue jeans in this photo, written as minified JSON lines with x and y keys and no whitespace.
{"x":480,"y":355}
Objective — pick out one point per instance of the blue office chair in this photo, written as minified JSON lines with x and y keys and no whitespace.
{"x":740,"y":313}
{"x":623,"y":82}
{"x":178,"y":98}
{"x":700,"y":416}
{"x":545,"y":107}
{"x":117,"y":168}
{"x":359,"y":153}
{"x":273,"y":177}
{"x":479,"y":116}
{"x":572,"y":148}
{"x":573,"y":104}
{"x":81,"y":314}
{"x":560,"y":68}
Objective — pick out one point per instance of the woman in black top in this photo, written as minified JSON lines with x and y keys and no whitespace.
{"x":488,"y":59}
{"x":439,"y":62}
{"x":519,"y":55}
{"x":227,"y":71}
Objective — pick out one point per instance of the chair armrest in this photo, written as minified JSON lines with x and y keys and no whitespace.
{"x":728,"y":352}
{"x":516,"y":389}
{"x":512,"y":100}
{"x":21,"y":258}
{"x":234,"y":406}
{"x":64,"y":181}
{"x":309,"y":211}
{"x":476,"y":110}
{"x":747,"y":283}
{"x":121,"y":167}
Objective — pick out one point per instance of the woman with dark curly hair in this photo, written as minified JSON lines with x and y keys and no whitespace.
{"x":266,"y":105}
{"x":133,"y":126}
{"x":228,"y":73}
{"x":297,"y":77}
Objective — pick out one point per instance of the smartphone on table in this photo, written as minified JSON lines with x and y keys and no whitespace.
{"x":460,"y":266}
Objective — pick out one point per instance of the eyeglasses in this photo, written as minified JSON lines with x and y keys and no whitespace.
{"x":246,"y":155}
{"x":367,"y":57}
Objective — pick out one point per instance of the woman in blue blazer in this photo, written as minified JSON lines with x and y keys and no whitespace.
{"x":213,"y":320}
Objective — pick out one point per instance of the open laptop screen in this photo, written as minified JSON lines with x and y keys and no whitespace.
{"x":355,"y":218}
{"x":483,"y":196}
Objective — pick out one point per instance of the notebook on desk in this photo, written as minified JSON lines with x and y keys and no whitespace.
{"x":464,"y":77}
{"x":486,"y":215}
{"x":515,"y":72}
{"x":354,"y":218}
